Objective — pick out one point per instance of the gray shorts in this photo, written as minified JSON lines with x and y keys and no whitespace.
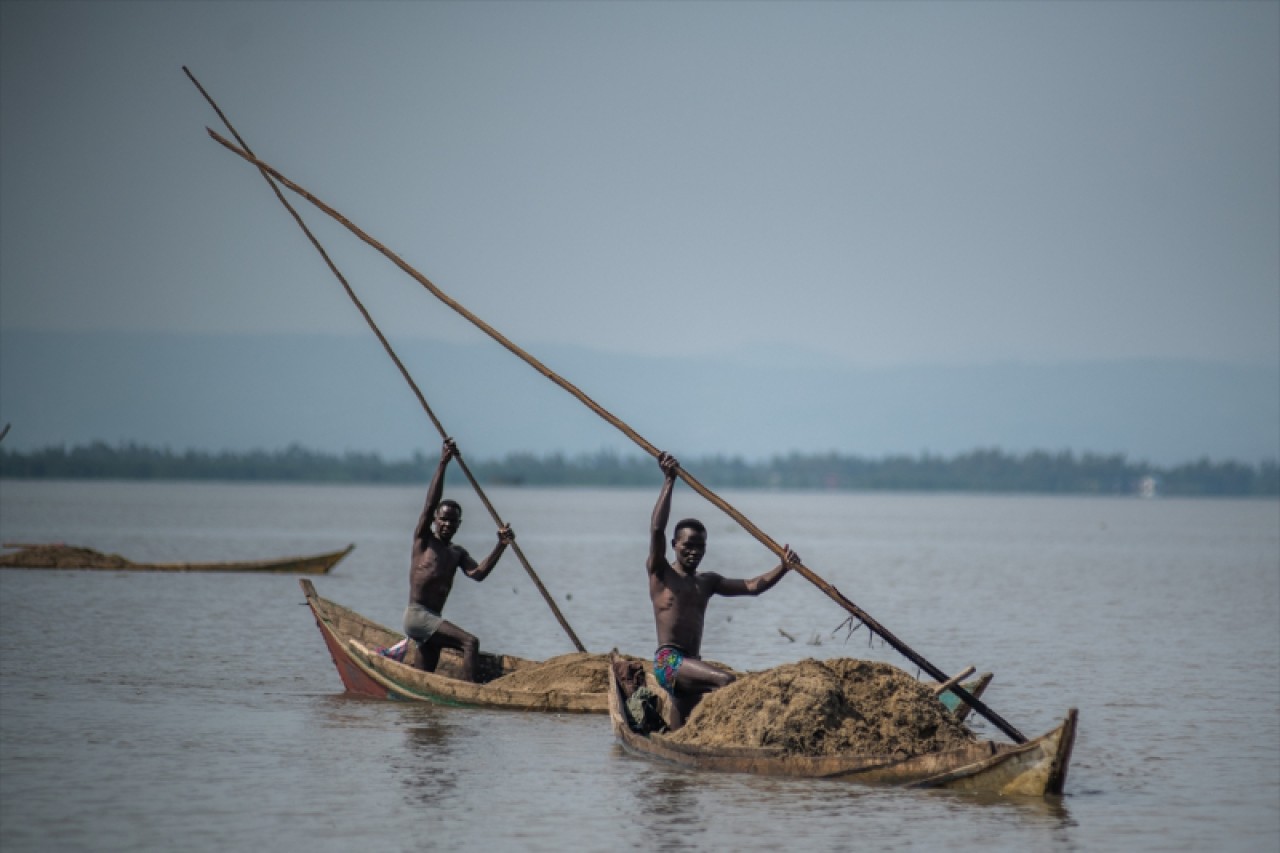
{"x":420,"y":623}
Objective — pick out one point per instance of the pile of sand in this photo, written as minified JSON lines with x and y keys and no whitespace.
{"x":825,"y":708}
{"x":579,"y":672}
{"x":62,"y":557}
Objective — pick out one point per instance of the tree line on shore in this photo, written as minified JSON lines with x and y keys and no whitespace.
{"x":981,"y":470}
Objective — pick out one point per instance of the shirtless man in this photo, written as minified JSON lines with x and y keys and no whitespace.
{"x":435,"y":562}
{"x":680,"y":596}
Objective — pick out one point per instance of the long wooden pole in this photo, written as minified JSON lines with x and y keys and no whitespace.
{"x":831,"y":592}
{"x":515,"y":546}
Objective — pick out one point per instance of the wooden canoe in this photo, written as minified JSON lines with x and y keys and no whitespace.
{"x":1036,"y":768}
{"x":59,"y":556}
{"x":354,"y":641}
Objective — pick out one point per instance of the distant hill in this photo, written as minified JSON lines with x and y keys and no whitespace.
{"x":337,"y":394}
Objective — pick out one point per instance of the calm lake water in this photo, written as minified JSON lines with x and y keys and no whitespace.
{"x":201,"y":712}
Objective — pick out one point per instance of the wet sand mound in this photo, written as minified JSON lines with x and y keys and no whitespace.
{"x":825,"y":708}
{"x":62,"y":557}
{"x":579,"y":672}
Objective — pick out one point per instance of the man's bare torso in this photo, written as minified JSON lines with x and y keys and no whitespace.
{"x":435,"y":565}
{"x":680,"y":607}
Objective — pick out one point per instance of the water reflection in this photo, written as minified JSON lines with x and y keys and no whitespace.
{"x":429,"y":735}
{"x":349,"y":711}
{"x":423,"y":763}
{"x":670,"y":799}
{"x":428,"y":768}
{"x":1049,"y":811}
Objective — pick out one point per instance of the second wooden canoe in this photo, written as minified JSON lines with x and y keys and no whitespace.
{"x":354,"y":642}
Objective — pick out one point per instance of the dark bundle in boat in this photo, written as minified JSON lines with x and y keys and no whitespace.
{"x":827,"y":708}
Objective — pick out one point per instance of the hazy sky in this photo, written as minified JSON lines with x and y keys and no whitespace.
{"x":877,"y":183}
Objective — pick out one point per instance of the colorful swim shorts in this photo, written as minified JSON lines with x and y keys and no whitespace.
{"x":666,"y":663}
{"x":396,"y":652}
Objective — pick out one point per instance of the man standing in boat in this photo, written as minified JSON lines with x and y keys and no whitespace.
{"x":680,"y":595}
{"x":436,"y":561}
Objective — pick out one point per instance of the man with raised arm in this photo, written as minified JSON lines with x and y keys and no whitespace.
{"x":435,"y":562}
{"x":680,"y":596}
